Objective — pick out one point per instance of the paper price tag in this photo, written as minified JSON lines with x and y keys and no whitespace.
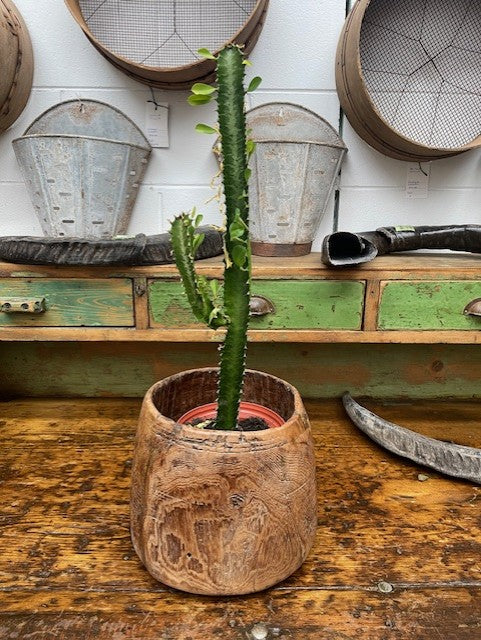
{"x":157,"y":123}
{"x":417,"y":180}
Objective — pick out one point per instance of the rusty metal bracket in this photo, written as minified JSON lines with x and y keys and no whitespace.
{"x":452,"y":459}
{"x":23,"y":305}
{"x":140,"y":287}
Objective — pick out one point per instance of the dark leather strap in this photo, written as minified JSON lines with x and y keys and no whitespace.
{"x":138,"y":250}
{"x":344,"y":249}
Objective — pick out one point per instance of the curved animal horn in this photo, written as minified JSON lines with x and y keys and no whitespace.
{"x":451,"y":459}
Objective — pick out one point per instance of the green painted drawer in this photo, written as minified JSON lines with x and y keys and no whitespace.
{"x":299,"y":304}
{"x":427,"y":305}
{"x":71,"y":302}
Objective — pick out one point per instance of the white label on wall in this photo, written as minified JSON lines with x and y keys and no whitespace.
{"x":417,"y":180}
{"x":157,"y":123}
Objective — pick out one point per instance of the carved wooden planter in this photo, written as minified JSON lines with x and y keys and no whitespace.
{"x":222,"y":513}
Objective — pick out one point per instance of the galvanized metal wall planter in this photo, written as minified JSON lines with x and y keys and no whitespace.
{"x":294,"y":169}
{"x":82,"y":162}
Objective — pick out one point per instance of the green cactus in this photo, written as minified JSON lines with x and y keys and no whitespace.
{"x":205,"y":296}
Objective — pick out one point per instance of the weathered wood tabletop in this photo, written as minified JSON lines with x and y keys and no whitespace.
{"x":397,"y":555}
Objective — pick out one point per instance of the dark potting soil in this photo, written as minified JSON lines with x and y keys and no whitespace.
{"x":252,"y":424}
{"x":248,"y":424}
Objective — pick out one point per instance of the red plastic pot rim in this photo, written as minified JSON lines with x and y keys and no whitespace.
{"x":246,"y":410}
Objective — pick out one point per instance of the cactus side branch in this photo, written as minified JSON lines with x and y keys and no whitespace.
{"x":201,"y":294}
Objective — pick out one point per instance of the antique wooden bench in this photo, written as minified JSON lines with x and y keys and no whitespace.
{"x":398,"y":546}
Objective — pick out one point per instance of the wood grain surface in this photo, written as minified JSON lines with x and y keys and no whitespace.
{"x":399,"y":266}
{"x":92,"y":369}
{"x":274,"y":336}
{"x":396,"y":555}
{"x":71,"y":302}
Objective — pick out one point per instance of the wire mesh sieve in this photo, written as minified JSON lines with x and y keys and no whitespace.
{"x":421,"y":62}
{"x":16,"y":64}
{"x":165,"y":33}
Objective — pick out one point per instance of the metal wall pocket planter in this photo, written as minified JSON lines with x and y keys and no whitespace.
{"x":294,"y":170}
{"x":83,"y":161}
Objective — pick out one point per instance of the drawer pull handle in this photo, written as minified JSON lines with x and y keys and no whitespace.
{"x":473,"y":308}
{"x":261,"y":306}
{"x":23,"y":305}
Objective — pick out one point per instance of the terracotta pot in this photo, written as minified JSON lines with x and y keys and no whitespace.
{"x":246,"y":410}
{"x":222,"y":512}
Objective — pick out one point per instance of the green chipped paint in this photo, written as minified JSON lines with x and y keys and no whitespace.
{"x":311,"y":304}
{"x":301,"y":304}
{"x":169,"y":307}
{"x":318,"y":371}
{"x":71,"y":302}
{"x":428,"y":305}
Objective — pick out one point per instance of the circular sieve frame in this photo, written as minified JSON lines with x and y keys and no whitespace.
{"x":360,"y":109}
{"x":21,"y":85}
{"x":176,"y":77}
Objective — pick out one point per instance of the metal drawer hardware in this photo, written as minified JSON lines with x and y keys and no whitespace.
{"x":23,"y":305}
{"x":473,"y":308}
{"x":261,"y":306}
{"x":140,"y":289}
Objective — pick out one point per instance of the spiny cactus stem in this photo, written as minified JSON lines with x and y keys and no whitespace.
{"x":232,"y":125}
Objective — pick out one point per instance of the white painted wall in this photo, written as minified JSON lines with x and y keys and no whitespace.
{"x":295,"y":57}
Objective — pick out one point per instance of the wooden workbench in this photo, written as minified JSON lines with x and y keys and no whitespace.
{"x":393,"y":328}
{"x":396,"y":555}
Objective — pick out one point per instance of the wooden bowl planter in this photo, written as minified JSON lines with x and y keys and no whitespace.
{"x":222,"y":512}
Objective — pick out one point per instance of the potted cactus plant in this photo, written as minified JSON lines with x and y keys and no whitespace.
{"x":221,"y":510}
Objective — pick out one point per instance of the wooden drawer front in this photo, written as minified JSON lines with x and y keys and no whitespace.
{"x":428,"y":305}
{"x":306,"y":304}
{"x":71,"y":302}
